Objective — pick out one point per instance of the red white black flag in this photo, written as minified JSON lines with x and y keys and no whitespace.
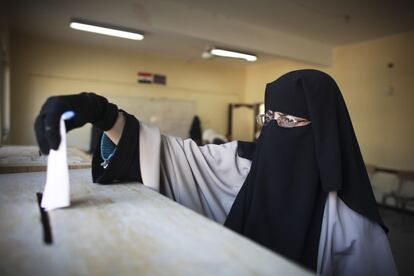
{"x":145,"y":77}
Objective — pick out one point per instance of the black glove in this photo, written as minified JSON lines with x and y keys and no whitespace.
{"x":88,"y":108}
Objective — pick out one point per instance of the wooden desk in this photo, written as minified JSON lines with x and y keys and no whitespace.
{"x":17,"y":159}
{"x":123,"y":229}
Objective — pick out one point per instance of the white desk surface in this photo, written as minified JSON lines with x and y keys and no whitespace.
{"x":122,"y":229}
{"x":17,"y":159}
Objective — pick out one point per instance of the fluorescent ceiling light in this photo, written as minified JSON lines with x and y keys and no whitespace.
{"x":105,"y":30}
{"x":232,"y":54}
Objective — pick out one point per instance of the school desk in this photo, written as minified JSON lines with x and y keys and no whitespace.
{"x":17,"y":159}
{"x":120,"y":229}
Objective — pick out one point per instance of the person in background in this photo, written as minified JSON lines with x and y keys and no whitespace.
{"x":301,"y":190}
{"x":212,"y":137}
{"x":195,"y":130}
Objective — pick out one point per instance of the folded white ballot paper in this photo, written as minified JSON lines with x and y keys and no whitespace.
{"x":56,"y":192}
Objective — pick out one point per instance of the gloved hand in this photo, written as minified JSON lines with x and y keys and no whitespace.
{"x":88,"y":108}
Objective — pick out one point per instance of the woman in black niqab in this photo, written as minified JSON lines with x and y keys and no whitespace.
{"x":281,"y":203}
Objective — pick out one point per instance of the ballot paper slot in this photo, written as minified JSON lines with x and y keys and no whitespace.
{"x":45,"y":221}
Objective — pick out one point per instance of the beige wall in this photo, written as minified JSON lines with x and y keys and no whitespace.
{"x":383,"y":123}
{"x":42,"y":67}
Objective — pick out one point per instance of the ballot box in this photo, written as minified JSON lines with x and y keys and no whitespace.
{"x":17,"y":159}
{"x":120,"y":229}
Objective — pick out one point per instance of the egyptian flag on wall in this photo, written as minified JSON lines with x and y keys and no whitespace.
{"x":149,"y":78}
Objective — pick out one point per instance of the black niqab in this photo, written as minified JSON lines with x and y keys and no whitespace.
{"x":281,"y":203}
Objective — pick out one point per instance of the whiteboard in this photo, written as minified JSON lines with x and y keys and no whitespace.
{"x":173,"y":117}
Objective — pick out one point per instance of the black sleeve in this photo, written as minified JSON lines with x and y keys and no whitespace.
{"x":246,"y":149}
{"x":124,"y":164}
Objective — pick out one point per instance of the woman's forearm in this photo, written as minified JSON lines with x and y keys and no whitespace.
{"x":115,"y":132}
